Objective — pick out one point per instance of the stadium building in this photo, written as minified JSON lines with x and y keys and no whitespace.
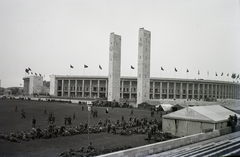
{"x":160,"y":88}
{"x":138,"y":89}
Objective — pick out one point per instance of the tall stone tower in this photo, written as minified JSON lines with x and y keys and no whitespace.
{"x":114,"y":67}
{"x":143,"y":78}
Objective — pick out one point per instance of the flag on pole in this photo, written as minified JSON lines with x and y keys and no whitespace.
{"x":198,"y":72}
{"x":187,"y":70}
{"x":207,"y":72}
{"x":85,"y":66}
{"x":237,"y":76}
{"x":40,"y":75}
{"x":222,"y":74}
{"x":227,"y":74}
{"x":175,"y":70}
{"x":216,"y":74}
{"x":132,"y":67}
{"x":162,"y":69}
{"x":233,"y":75}
{"x":100,"y":67}
{"x":71,"y":66}
{"x":36,"y":74}
{"x":27,"y":71}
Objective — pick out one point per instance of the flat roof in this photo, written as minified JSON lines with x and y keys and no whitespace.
{"x":135,"y":78}
{"x":212,"y":114}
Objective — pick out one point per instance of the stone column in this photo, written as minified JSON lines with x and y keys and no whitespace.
{"x":98,"y":87}
{"x":203,"y":92}
{"x":198,"y":91}
{"x":122,"y":88}
{"x":193,"y":88}
{"x":181,"y":90}
{"x":69,"y":88}
{"x":208,"y":90}
{"x":62,"y":86}
{"x":174,"y":90}
{"x":90,"y":88}
{"x":106,"y":92}
{"x":83,"y":88}
{"x":160,"y":90}
{"x":130,"y":90}
{"x":75,"y":88}
{"x":216,"y":91}
{"x":211,"y":90}
{"x":187,"y":90}
{"x":167,"y":90}
{"x":153,"y":92}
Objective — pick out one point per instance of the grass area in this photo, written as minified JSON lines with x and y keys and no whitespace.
{"x":12,"y":121}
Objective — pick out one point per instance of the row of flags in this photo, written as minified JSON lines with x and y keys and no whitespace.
{"x":29,"y":71}
{"x":100,"y":67}
{"x":85,"y":66}
{"x":234,"y":75}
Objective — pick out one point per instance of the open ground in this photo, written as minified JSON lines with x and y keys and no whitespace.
{"x":12,"y":121}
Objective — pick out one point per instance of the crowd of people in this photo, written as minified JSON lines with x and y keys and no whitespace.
{"x":121,"y":126}
{"x":90,"y":151}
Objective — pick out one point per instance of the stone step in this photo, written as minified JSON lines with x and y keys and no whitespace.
{"x":232,"y":153}
{"x":224,"y":150}
{"x":187,"y":150}
{"x":204,"y":149}
{"x":215,"y":149}
{"x":235,"y":145}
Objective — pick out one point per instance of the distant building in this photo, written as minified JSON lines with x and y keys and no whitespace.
{"x":138,"y":89}
{"x":160,"y":88}
{"x":193,"y":120}
{"x":34,"y":85}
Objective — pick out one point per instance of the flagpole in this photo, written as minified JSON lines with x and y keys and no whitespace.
{"x":88,"y":121}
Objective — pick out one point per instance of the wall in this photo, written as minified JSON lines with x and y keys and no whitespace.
{"x":175,"y":143}
{"x":163,"y":146}
{"x":53,"y":86}
{"x":183,"y":127}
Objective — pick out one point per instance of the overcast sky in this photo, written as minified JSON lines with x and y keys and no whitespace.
{"x":50,"y":35}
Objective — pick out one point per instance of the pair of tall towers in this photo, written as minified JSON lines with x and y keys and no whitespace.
{"x":143,"y":77}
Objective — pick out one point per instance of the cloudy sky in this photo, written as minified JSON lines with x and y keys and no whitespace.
{"x":49,"y":35}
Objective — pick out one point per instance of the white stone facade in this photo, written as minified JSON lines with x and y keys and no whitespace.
{"x":143,"y":77}
{"x":114,"y":67}
{"x":33,"y":85}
